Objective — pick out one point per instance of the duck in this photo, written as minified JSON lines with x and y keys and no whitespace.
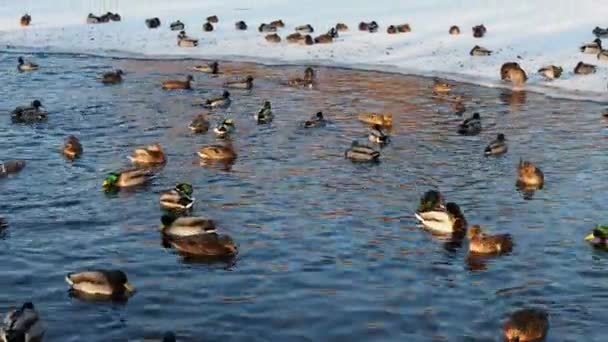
{"x":26,"y":66}
{"x":603,"y":55}
{"x":305,"y":29}
{"x":529,"y":176}
{"x":454,"y":30}
{"x":179,"y":198}
{"x":3,"y":224}
{"x":264,"y":115}
{"x":298,"y":38}
{"x":217,"y":152}
{"x":211,"y":68}
{"x":470,"y":126}
{"x":443,"y":221}
{"x":277,"y":23}
{"x":240,"y":25}
{"x":219,"y":102}
{"x":404,"y":28}
{"x":600,"y":32}
{"x":265,"y":28}
{"x":150,"y":155}
{"x":431,"y":200}
{"x":440,"y":87}
{"x":370,"y":27}
{"x":307,"y":81}
{"x":273,"y":38}
{"x":497,"y":147}
{"x":315,"y":121}
{"x":361,"y":153}
{"x":92,"y":19}
{"x":184,"y":41}
{"x":106,"y":283}
{"x":199,"y":124}
{"x":551,"y":72}
{"x":377,"y":135}
{"x":206,"y":245}
{"x":324,"y":39}
{"x":213,"y":19}
{"x":175,"y":84}
{"x":169,"y":336}
{"x":246,"y":83}
{"x":224,"y":128}
{"x":72,"y":148}
{"x":177,"y":26}
{"x":585,"y":69}
{"x":526,"y":325}
{"x":512,"y":72}
{"x":391,"y":29}
{"x":23,"y":325}
{"x":29,"y":114}
{"x":382,"y":119}
{"x":10,"y":167}
{"x":480,"y":243}
{"x":599,"y":237}
{"x":594,"y":47}
{"x":480,"y":51}
{"x":126,"y":179}
{"x":479,"y":31}
{"x":112,"y":77}
{"x":174,"y":227}
{"x":207,"y":27}
{"x":152,"y":23}
{"x":26,"y":20}
{"x":341,"y":27}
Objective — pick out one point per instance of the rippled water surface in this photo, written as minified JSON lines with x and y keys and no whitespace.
{"x":329,"y":250}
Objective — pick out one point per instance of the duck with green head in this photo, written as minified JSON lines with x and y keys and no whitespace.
{"x":126,"y":179}
{"x":224,"y":128}
{"x":178,"y":199}
{"x":599,"y":237}
{"x":443,"y":221}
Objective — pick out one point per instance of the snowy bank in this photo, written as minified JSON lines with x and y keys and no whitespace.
{"x":533,"y":33}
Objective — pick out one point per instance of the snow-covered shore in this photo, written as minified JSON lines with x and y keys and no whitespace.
{"x":533,"y":33}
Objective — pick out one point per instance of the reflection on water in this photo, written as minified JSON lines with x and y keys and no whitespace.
{"x":329,"y":249}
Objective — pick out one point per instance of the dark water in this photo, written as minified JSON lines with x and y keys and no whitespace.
{"x":329,"y":250}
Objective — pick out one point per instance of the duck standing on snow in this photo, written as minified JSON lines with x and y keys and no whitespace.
{"x":151,"y":155}
{"x":315,"y":121}
{"x":23,"y":325}
{"x":306,"y":82}
{"x":207,"y":27}
{"x":479,"y":31}
{"x":224,"y":128}
{"x":273,"y":38}
{"x":247,"y":83}
{"x":527,"y":325}
{"x":213,"y":19}
{"x":26,"y":20}
{"x":497,"y":147}
{"x":529,"y":176}
{"x":103,"y":283}
{"x":305,"y":29}
{"x":443,"y":221}
{"x":177,"y":26}
{"x":177,"y":199}
{"x":29,"y":114}
{"x":264,"y":115}
{"x":599,"y":237}
{"x":470,"y":126}
{"x":600,"y":32}
{"x":298,"y":38}
{"x":361,"y":153}
{"x":551,"y":72}
{"x":219,"y":102}
{"x":585,"y":69}
{"x":480,"y":51}
{"x":454,"y":30}
{"x":240,"y":25}
{"x":184,"y":41}
{"x":175,"y":84}
{"x":480,"y":243}
{"x":370,"y":27}
{"x":211,"y":68}
{"x":199,"y":124}
{"x":377,"y":135}
{"x":153,"y":23}
{"x":594,"y":47}
{"x":72,"y":148}
{"x":26,"y":66}
{"x":265,"y":28}
{"x":112,"y":77}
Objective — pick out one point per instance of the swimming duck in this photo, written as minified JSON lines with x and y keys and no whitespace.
{"x":151,"y":155}
{"x":443,"y":221}
{"x":213,"y":19}
{"x":107,"y":283}
{"x":480,"y":51}
{"x":382,"y":119}
{"x":29,"y":114}
{"x":305,"y":29}
{"x":211,"y":68}
{"x":264,"y":115}
{"x":152,"y":23}
{"x":247,"y":83}
{"x":207,"y":27}
{"x":470,"y":126}
{"x":265,"y":28}
{"x":26,"y":19}
{"x":600,"y":32}
{"x":585,"y":69}
{"x":481,"y":243}
{"x":599,"y":237}
{"x":371,"y":27}
{"x":240,"y":25}
{"x":479,"y":31}
{"x":526,"y":325}
{"x":497,"y":147}
{"x":126,"y":179}
{"x":23,"y":325}
{"x":72,"y":148}
{"x":551,"y":72}
{"x":11,"y":167}
{"x":512,"y":72}
{"x":361,"y":153}
{"x":206,"y":245}
{"x":217,"y":152}
{"x":184,"y":41}
{"x":112,"y":77}
{"x":224,"y":128}
{"x":377,"y":135}
{"x":593,"y":48}
{"x":26,"y":66}
{"x":174,"y":227}
{"x":178,"y":199}
{"x":219,"y":102}
{"x":315,"y":121}
{"x":341,"y":27}
{"x":199,"y":124}
{"x":441,"y":87}
{"x":277,"y":23}
{"x":273,"y":38}
{"x":306,"y":82}
{"x":529,"y":176}
{"x":175,"y":84}
{"x":177,"y":26}
{"x":431,"y":200}
{"x":169,"y":336}
{"x":454,"y":30}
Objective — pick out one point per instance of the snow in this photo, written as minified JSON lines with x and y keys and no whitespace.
{"x":532,"y":33}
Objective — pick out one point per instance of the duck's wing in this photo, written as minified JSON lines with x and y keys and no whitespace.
{"x":204,"y":245}
{"x":137,"y":173}
{"x":439,"y":221}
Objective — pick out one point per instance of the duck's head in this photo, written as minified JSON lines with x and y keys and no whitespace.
{"x":185,"y":188}
{"x":501,"y":137}
{"x":526,"y":168}
{"x":20,"y":60}
{"x":169,"y":336}
{"x":36,"y":104}
{"x":249,"y":79}
{"x":333,"y":32}
{"x":430,"y":200}
{"x":309,"y":74}
{"x":228,"y":122}
{"x":155,"y":148}
{"x":308,"y":40}
{"x":476,"y":116}
{"x":454,"y":210}
{"x":319,"y":115}
{"x":190,"y":78}
{"x":167,"y":220}
{"x":120,"y":277}
{"x":598,"y":42}
{"x":600,"y":232}
{"x":27,"y":306}
{"x":110,"y":181}
{"x":226,"y":94}
{"x":119,"y":72}
{"x":214,"y":66}
{"x":267,"y":105}
{"x":474,"y":231}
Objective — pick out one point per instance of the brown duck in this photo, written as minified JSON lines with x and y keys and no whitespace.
{"x":175,"y":84}
{"x":72,"y":148}
{"x":481,"y":243}
{"x":112,"y":77}
{"x":527,"y":325}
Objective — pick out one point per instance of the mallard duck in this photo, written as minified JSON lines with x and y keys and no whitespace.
{"x":177,"y":26}
{"x":592,"y":48}
{"x":107,"y":283}
{"x":382,"y":119}
{"x":211,"y":68}
{"x":152,"y":154}
{"x":277,"y":23}
{"x":23,"y":325}
{"x":470,"y":126}
{"x":184,"y":41}
{"x":603,"y":55}
{"x":377,"y":135}
{"x":481,"y":243}
{"x":361,"y":153}
{"x":600,"y":32}
{"x":173,"y":226}
{"x":205,"y":245}
{"x":224,"y":128}
{"x":599,"y":237}
{"x":324,"y":39}
{"x":26,"y":66}
{"x":585,"y":69}
{"x":175,"y":84}
{"x":315,"y":121}
{"x":265,"y":28}
{"x":305,"y":29}
{"x":528,"y":175}
{"x":178,"y":199}
{"x":298,"y":38}
{"x":431,"y":200}
{"x":152,"y":23}
{"x":219,"y":102}
{"x":526,"y":325}
{"x":217,"y":152}
{"x":341,"y":27}
{"x":454,"y":30}
{"x":127,"y":178}
{"x":480,"y":51}
{"x":458,"y":108}
{"x":240,"y":25}
{"x":207,"y":27}
{"x":10,"y":167}
{"x":213,"y":19}
{"x":404,"y":28}
{"x":29,"y":114}
{"x":92,"y":19}
{"x":443,"y":221}
{"x":370,"y":27}
{"x":26,"y":20}
{"x":247,"y":83}
{"x":440,"y":87}
{"x":497,"y":147}
{"x":479,"y":31}
{"x":113,"y":77}
{"x":264,"y":115}
{"x":72,"y":148}
{"x":306,"y":82}
{"x":551,"y":72}
{"x":273,"y":38}
{"x":391,"y":29}
{"x":199,"y":124}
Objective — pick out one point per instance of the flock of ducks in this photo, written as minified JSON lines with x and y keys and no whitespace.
{"x":199,"y":237}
